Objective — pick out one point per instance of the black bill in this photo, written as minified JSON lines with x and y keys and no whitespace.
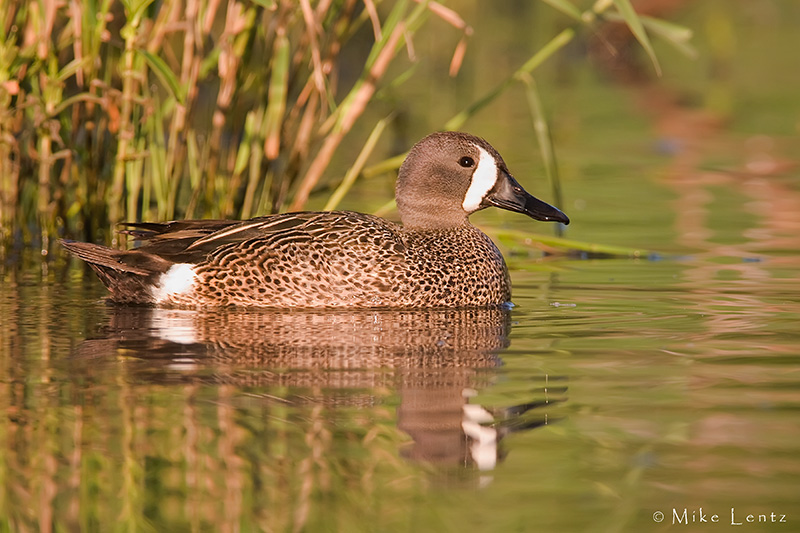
{"x":508,"y":194}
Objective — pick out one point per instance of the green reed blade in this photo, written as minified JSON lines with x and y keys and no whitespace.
{"x":554,"y":45}
{"x":567,"y":8}
{"x":278,"y":90}
{"x":196,"y":177}
{"x":392,"y":20}
{"x":355,"y":170}
{"x":253,"y":134}
{"x":133,"y":180}
{"x":243,"y":153}
{"x":71,"y":68}
{"x":635,"y":24}
{"x":158,"y":158}
{"x":385,"y":166}
{"x":675,"y":34}
{"x":545,"y":142}
{"x":509,"y":237}
{"x":165,"y":74}
{"x":386,"y":208}
{"x":72,"y":100}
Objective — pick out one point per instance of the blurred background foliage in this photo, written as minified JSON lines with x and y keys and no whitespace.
{"x":152,"y":110}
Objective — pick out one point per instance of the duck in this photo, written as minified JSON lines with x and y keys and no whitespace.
{"x":435,"y":258}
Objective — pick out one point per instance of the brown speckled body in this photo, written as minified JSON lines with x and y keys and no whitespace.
{"x":436,"y":258}
{"x":353,"y":260}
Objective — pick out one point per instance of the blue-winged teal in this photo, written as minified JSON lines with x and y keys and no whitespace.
{"x":340,"y":258}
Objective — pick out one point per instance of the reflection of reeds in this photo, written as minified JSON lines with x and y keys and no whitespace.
{"x":262,"y":434}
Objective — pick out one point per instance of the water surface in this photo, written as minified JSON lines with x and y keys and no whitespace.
{"x":617,"y":395}
{"x":615,"y":389}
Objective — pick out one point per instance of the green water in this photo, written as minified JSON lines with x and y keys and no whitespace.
{"x":614,"y":390}
{"x":616,"y":393}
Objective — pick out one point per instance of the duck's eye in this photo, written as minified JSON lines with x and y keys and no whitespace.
{"x":466,"y":162}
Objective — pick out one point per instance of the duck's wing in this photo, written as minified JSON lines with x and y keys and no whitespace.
{"x":191,"y":241}
{"x":130,"y":273}
{"x":196,"y":228}
{"x":168,"y":239}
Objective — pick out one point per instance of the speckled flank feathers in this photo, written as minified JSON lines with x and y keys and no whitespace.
{"x":337,"y":259}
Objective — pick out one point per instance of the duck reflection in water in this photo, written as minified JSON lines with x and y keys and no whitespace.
{"x":436,"y":360}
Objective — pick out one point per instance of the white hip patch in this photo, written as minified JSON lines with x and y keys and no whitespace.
{"x":179,"y":279}
{"x":483,"y":180}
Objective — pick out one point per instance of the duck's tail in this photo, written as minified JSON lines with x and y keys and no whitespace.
{"x":129,"y":275}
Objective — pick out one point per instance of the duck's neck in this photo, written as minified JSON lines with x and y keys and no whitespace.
{"x":431,"y":218}
{"x":450,"y":230}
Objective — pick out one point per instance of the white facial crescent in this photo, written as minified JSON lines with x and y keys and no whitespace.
{"x":483,"y":180}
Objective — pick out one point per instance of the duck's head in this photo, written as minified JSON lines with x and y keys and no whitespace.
{"x":447,"y":176}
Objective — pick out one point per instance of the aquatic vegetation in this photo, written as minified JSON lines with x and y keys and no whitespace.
{"x":141,"y":110}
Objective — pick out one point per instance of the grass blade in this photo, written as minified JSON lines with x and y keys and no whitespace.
{"x":554,"y":45}
{"x":635,"y":24}
{"x":545,"y":142}
{"x":351,"y":108}
{"x":523,"y":239}
{"x":676,"y":35}
{"x":165,"y":74}
{"x":567,"y":8}
{"x":278,"y":90}
{"x":355,"y":170}
{"x":387,"y":165}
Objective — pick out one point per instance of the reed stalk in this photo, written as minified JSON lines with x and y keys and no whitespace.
{"x":354,"y":171}
{"x":353,"y":107}
{"x":545,"y":141}
{"x":133,"y":11}
{"x":115,"y":110}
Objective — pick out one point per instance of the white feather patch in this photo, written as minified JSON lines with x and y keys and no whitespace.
{"x":483,"y":180}
{"x":178,"y":279}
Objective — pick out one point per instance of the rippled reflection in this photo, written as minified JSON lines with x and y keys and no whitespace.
{"x":309,"y":340}
{"x":246,"y":419}
{"x":434,"y":359}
